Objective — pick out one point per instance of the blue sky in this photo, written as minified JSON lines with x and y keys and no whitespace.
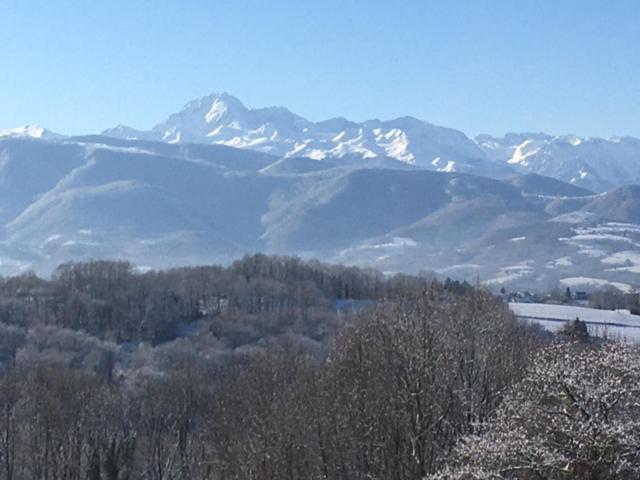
{"x":480,"y":66}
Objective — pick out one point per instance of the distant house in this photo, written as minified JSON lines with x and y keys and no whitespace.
{"x":581,"y":296}
{"x":522,"y":297}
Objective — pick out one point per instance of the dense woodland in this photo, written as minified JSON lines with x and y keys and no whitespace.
{"x":276,"y":368}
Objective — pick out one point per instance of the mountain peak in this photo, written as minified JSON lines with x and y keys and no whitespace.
{"x":221,"y":118}
{"x":30,"y":131}
{"x":214,"y":107}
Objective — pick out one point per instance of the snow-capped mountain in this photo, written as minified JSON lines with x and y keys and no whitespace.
{"x":224,"y":120}
{"x":593,"y":163}
{"x":29,"y":131}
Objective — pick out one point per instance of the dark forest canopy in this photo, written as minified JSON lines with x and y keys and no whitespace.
{"x":113,"y":301}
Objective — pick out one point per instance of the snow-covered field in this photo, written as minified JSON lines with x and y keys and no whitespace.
{"x":610,"y":323}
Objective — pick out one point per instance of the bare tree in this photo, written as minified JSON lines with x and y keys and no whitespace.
{"x":575,"y":415}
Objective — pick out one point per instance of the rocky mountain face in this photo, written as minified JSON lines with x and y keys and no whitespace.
{"x":223,"y":120}
{"x":592,"y":163}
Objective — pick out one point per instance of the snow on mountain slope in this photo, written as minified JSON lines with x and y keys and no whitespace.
{"x":222,"y":119}
{"x":30,"y":131}
{"x":592,"y":163}
{"x":511,"y":239}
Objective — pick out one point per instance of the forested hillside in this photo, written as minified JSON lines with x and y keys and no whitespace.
{"x":259,"y":295}
{"x":163,"y":205}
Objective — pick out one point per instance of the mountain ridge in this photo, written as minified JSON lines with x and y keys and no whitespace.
{"x":223,"y":119}
{"x":161,"y":204}
{"x":592,"y":163}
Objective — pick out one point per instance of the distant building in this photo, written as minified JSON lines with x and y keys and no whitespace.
{"x":581,"y":296}
{"x":522,"y":297}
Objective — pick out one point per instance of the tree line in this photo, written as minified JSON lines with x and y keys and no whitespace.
{"x":113,"y":301}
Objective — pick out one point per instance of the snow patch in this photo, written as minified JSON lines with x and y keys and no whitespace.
{"x":588,"y":282}
{"x":560,"y":262}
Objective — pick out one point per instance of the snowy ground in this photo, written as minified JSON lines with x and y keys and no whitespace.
{"x":609,"y":323}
